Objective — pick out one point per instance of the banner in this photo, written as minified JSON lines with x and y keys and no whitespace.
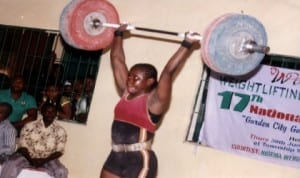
{"x":258,"y":117}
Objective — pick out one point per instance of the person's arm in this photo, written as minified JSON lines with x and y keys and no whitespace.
{"x":38,"y":162}
{"x":160,"y":97}
{"x":66,"y":112}
{"x":31,"y":116}
{"x":117,"y":57}
{"x":53,"y":156}
{"x":9,"y":142}
{"x":24,"y":151}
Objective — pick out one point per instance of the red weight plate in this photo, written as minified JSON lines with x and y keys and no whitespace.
{"x":206,"y":37}
{"x":78,"y":28}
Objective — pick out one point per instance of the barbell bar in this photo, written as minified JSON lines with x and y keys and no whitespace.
{"x":249,"y":45}
{"x":131,"y":27}
{"x":233,"y":44}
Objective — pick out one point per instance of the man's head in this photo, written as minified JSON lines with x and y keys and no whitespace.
{"x":49,"y":112}
{"x":5,"y":110}
{"x":53,"y":91}
{"x":18,"y":84}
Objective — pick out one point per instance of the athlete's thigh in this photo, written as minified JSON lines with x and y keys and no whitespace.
{"x":141,"y":164}
{"x":107,"y":174}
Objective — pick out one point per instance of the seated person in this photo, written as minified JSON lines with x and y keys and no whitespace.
{"x":7,"y":133}
{"x":23,"y":103}
{"x":63,"y":104}
{"x":42,"y":143}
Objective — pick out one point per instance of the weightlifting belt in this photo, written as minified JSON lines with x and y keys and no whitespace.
{"x":132,"y":147}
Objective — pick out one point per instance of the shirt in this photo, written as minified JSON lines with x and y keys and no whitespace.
{"x":42,"y":141}
{"x":7,"y":138}
{"x":20,"y":106}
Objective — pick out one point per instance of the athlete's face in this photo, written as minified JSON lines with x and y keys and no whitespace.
{"x":137,"y":82}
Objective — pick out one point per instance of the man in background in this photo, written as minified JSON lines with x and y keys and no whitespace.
{"x":42,"y":143}
{"x":24,"y":105}
{"x":7,"y":133}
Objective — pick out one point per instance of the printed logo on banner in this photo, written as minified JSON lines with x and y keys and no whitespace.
{"x":258,"y":117}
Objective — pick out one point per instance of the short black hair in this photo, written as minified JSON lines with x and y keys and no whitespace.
{"x":150,"y":71}
{"x":47,"y":105}
{"x":8,"y":107}
{"x":19,"y":76}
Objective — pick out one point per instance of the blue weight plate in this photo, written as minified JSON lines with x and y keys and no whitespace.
{"x":222,"y":47}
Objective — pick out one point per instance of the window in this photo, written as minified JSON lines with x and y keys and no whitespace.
{"x":42,"y":57}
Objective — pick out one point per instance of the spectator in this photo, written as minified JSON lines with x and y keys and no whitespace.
{"x":68,"y":89}
{"x":63,"y":104}
{"x":24,"y":105}
{"x":79,"y":102}
{"x":42,"y":143}
{"x":89,"y":86}
{"x":7,"y":133}
{"x":89,"y":89}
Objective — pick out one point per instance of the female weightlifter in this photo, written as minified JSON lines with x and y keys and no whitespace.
{"x":144,"y":100}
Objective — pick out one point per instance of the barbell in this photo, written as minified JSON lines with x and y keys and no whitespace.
{"x":232,"y":44}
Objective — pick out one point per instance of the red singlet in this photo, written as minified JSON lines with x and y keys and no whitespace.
{"x":135,"y":112}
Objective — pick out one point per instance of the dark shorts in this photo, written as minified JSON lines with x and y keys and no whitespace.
{"x":132,"y":164}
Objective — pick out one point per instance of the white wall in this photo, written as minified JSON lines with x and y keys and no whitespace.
{"x":88,"y":145}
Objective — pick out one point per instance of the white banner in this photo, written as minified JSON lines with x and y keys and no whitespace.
{"x":258,"y":117}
